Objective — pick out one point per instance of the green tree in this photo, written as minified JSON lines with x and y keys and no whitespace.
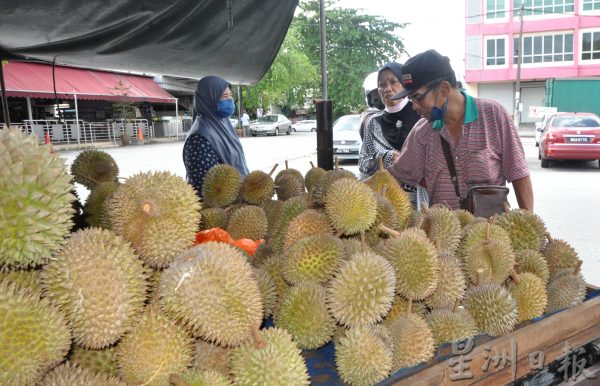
{"x":123,"y":108}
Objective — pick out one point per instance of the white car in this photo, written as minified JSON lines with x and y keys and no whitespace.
{"x":539,"y":127}
{"x":346,"y":137}
{"x":305,"y":125}
{"x":271,"y":124}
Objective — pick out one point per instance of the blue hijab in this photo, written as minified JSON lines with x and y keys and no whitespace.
{"x":218,"y":131}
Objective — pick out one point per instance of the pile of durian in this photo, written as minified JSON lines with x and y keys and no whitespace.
{"x":116,"y":293}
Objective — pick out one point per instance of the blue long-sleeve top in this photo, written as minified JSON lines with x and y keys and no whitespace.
{"x":198,"y":157}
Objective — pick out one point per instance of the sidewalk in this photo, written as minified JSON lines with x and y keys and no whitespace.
{"x":107,"y":144}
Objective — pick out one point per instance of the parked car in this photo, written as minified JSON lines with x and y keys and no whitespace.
{"x":234,"y":122}
{"x":271,"y":124}
{"x":539,"y":127}
{"x":572,"y":136}
{"x":346,"y":137}
{"x":305,"y":125}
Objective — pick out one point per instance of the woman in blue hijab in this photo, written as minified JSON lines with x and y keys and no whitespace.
{"x":212,"y":140}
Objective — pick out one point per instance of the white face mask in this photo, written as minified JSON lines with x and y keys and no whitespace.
{"x":397,"y":107}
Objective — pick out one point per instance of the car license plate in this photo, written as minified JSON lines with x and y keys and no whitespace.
{"x":578,"y":139}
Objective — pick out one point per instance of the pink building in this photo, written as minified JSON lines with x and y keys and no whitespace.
{"x":561,"y":39}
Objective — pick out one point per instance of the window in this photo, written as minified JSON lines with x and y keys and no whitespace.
{"x":495,"y":52}
{"x":495,"y":9}
{"x":591,"y":5}
{"x":590,"y":45}
{"x":544,"y":7}
{"x":545,"y":49}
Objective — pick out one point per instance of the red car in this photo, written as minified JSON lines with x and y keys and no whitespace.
{"x":572,"y":136}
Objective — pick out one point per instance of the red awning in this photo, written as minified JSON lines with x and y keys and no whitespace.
{"x":35,"y":80}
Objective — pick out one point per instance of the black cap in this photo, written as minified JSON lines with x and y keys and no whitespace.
{"x":422,"y":69}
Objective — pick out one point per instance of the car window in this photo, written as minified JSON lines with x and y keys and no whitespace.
{"x":347,"y":123}
{"x":268,"y":118}
{"x":575,"y":122}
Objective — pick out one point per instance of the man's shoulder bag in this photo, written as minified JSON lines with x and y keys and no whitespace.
{"x":483,"y":200}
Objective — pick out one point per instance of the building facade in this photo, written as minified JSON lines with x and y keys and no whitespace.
{"x":561,"y":40}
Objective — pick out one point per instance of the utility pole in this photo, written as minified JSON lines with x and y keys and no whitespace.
{"x":516,"y":115}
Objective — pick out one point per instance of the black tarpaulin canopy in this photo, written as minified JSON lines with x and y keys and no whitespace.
{"x":235,"y":39}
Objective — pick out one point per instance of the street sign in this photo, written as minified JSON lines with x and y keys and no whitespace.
{"x":540,"y":111}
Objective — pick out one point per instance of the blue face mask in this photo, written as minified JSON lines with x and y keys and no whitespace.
{"x":225,"y":107}
{"x":438,"y":113}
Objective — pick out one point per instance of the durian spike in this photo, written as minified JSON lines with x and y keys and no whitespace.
{"x":388,"y":231}
{"x":515,"y":276}
{"x":577,"y":268}
{"x":493,"y":219}
{"x":363,"y":242}
{"x":456,"y":304}
{"x":478,"y":277}
{"x":259,"y":342}
{"x":337,"y":163}
{"x":506,"y":206}
{"x":273,"y":170}
{"x":409,"y":307}
{"x":311,"y":164}
{"x":384,"y":190}
{"x":550,"y":239}
{"x":176,"y":380}
{"x":339,"y":234}
{"x":286,"y":164}
{"x":380,"y":163}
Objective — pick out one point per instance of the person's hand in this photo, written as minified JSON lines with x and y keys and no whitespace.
{"x":395,"y":155}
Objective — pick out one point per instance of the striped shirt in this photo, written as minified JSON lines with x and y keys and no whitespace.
{"x":489,"y":152}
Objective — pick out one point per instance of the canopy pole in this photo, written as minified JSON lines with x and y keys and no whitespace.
{"x":323,"y":22}
{"x":177,"y":118}
{"x":29,"y":113}
{"x":77,"y":121}
{"x":4,"y":100}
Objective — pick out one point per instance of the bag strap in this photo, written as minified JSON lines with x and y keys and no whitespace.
{"x":451,"y":168}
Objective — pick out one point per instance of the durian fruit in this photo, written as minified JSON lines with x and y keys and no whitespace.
{"x":362,"y":291}
{"x":530,"y":260}
{"x":99,"y":284}
{"x":209,"y":356}
{"x":313,"y":177}
{"x":272,"y":209}
{"x":394,"y":192}
{"x":559,"y":255}
{"x":221,"y":186}
{"x":351,"y":206}
{"x":258,"y":187}
{"x":26,"y":279}
{"x":493,"y":308}
{"x":268,"y":290}
{"x":479,"y":230}
{"x":415,"y":262}
{"x":400,"y":307}
{"x":386,"y":216}
{"x":288,"y":183}
{"x":304,"y":314}
{"x":274,"y":266}
{"x":525,"y":228}
{"x":491,"y":259}
{"x":451,"y":284}
{"x":99,"y":361}
{"x":413,"y":341}
{"x":529,"y":291}
{"x":33,"y":335}
{"x":352,"y":246}
{"x":78,"y":217}
{"x":313,"y":259}
{"x":93,"y":166}
{"x":279,"y":362}
{"x":320,"y":191}
{"x":35,"y":201}
{"x":248,"y":222}
{"x":96,"y":208}
{"x":451,"y":325}
{"x":362,"y":356}
{"x":72,"y":375}
{"x":211,"y":288}
{"x":204,"y":378}
{"x":308,"y":223}
{"x":158,"y":213}
{"x":464,"y":217}
{"x":263,"y":251}
{"x":213,"y":218}
{"x":443,"y":228}
{"x":566,"y":288}
{"x":156,"y":348}
{"x":290,"y":209}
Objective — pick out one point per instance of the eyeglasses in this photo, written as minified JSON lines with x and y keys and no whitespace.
{"x":419,"y":97}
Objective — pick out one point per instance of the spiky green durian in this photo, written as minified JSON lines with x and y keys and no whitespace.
{"x":257,"y":188}
{"x":274,"y":266}
{"x":211,"y":288}
{"x":158,"y":213}
{"x":99,"y":284}
{"x":74,"y":375}
{"x":493,"y":257}
{"x":451,"y":284}
{"x":268,"y":290}
{"x":464,"y":217}
{"x":413,"y":341}
{"x":100,"y":361}
{"x":451,"y":326}
{"x":290,"y":209}
{"x":313,"y":259}
{"x":96,"y":208}
{"x":278,"y":363}
{"x":354,"y":245}
{"x":221,"y":185}
{"x":362,"y":291}
{"x":443,"y":228}
{"x":493,"y":308}
{"x":320,"y":191}
{"x":530,"y":260}
{"x":35,"y":201}
{"x":313,"y":177}
{"x":415,"y":262}
{"x":304,"y":314}
{"x":248,"y":222}
{"x":400,"y":307}
{"x":308,"y":223}
{"x":351,"y":206}
{"x":27,"y":279}
{"x":209,"y":356}
{"x":272,"y":209}
{"x":212,"y":218}
{"x":289,"y":183}
{"x":362,"y":356}
{"x":93,"y":166}
{"x":478,"y":231}
{"x":526,"y":229}
{"x":154,"y":349}
{"x":33,"y":335}
{"x":529,"y":291}
{"x":566,"y":288}
{"x":205,"y":378}
{"x":559,"y":255}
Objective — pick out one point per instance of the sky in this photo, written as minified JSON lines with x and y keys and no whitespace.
{"x":437,"y":24}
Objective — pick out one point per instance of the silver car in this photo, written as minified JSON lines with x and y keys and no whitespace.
{"x":271,"y":124}
{"x":346,"y":137}
{"x":305,"y":125}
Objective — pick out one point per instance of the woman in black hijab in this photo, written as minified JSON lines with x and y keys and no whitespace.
{"x":212,"y":140}
{"x":386,"y":132}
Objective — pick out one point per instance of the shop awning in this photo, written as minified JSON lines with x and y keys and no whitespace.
{"x":35,"y":80}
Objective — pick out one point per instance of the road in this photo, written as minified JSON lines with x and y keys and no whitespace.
{"x":566,"y":194}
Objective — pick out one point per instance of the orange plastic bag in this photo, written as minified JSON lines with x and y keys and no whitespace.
{"x":247,"y":245}
{"x":221,"y":235}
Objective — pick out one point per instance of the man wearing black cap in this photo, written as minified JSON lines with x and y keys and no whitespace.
{"x":483,"y":141}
